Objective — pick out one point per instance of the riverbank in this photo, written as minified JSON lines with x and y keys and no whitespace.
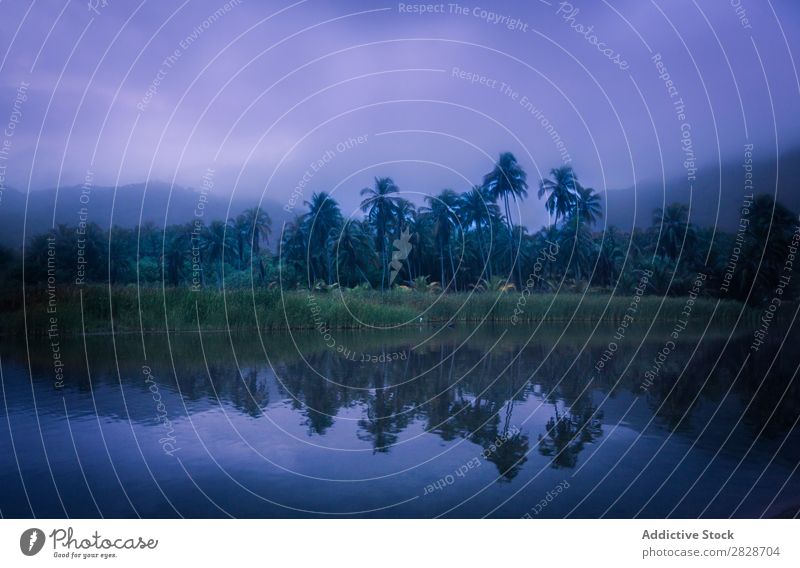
{"x":93,"y":309}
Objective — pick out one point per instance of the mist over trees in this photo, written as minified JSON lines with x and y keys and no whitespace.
{"x":453,"y":242}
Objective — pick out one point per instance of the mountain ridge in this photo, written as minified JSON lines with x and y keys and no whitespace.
{"x":715,"y":187}
{"x":158,"y":203}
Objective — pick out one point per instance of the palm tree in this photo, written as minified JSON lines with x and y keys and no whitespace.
{"x":175,"y":254}
{"x":353,"y":253}
{"x":476,"y":208}
{"x":423,"y":255}
{"x":405,"y":213}
{"x":216,"y":240}
{"x":507,"y":179}
{"x":676,"y":231}
{"x":324,"y":220}
{"x":239,"y":229}
{"x":380,"y":205}
{"x":575,"y":235}
{"x":576,"y":242}
{"x":259,"y":224}
{"x":442,"y":210}
{"x":664,"y":278}
{"x":561,"y":190}
{"x":406,"y":216}
{"x":768,"y":237}
{"x":589,"y":208}
{"x":293,"y":251}
{"x":253,"y":226}
{"x":611,"y":256}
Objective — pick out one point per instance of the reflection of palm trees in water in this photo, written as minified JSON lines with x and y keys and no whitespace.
{"x":323,"y":398}
{"x":510,"y":452}
{"x":568,"y":432}
{"x":478,"y":421}
{"x":477,"y":408}
{"x":510,"y":455}
{"x":250,"y":394}
{"x":385,"y":414}
{"x":440,"y":415}
{"x":380,"y":427}
{"x":451,"y":414}
{"x":455,"y":399}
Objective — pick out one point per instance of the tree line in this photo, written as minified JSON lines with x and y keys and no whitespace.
{"x":456,"y":242}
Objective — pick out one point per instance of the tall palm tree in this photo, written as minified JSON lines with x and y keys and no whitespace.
{"x":676,"y":231}
{"x":589,"y":205}
{"x":324,"y":220}
{"x":380,"y":205}
{"x":255,"y":227}
{"x":239,"y":232}
{"x":507,"y":179}
{"x":768,"y":237}
{"x":175,"y":254}
{"x":442,"y":209}
{"x":611,"y":257}
{"x":561,"y":190}
{"x":406,"y":219}
{"x":216,"y":240}
{"x":549,"y":272}
{"x":259,"y":227}
{"x":405,"y":213}
{"x":578,"y":246}
{"x":353,"y":253}
{"x":293,"y":250}
{"x":476,"y":208}
{"x":423,"y":253}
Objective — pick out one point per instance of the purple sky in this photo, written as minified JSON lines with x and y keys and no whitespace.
{"x":267,"y":88}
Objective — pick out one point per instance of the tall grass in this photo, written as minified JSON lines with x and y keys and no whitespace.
{"x":124,"y":309}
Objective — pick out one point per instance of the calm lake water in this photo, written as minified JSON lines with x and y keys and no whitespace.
{"x":448,"y":422}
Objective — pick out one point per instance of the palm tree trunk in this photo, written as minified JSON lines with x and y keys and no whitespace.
{"x":510,"y":235}
{"x":519,"y":259}
{"x":364,"y":276}
{"x":452,"y":266}
{"x":328,"y":264}
{"x":486,"y":265}
{"x":441,"y":265}
{"x":329,"y":267}
{"x":382,"y":239}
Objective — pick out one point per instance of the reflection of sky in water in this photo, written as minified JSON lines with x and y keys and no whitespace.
{"x":388,"y":438}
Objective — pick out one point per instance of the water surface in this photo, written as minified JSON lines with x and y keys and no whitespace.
{"x":414,"y":423}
